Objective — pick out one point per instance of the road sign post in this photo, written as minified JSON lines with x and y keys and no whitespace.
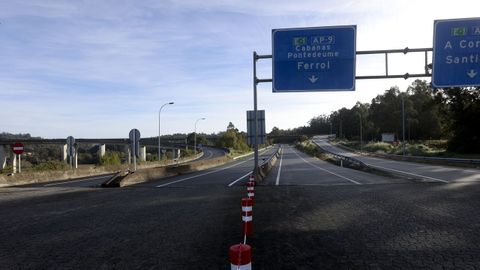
{"x":261,"y":133}
{"x":70,"y":149}
{"x":456,"y":53}
{"x":18,"y":149}
{"x":134,"y":137}
{"x":314,"y":59}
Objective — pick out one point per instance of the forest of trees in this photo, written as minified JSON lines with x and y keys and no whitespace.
{"x":452,"y":114}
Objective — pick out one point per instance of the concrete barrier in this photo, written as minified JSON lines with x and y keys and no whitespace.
{"x":149,"y":174}
{"x":26,"y":178}
{"x":35,"y":177}
{"x":267,"y":166}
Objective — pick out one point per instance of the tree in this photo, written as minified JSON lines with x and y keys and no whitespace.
{"x":386,"y":112}
{"x":230,"y":126}
{"x":232,"y":138}
{"x":464,"y":107}
{"x":424,"y":118}
{"x":318,"y":125}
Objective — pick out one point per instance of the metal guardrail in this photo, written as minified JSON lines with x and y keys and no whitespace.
{"x":267,"y":160}
{"x":268,"y":163}
{"x":342,"y":157}
{"x":434,"y":160}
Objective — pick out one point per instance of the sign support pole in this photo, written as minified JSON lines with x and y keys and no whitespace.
{"x":19,"y":163}
{"x":134,"y":162}
{"x":14,"y":165}
{"x":255,"y":131}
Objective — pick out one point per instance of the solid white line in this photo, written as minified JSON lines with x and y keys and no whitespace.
{"x":346,"y":178}
{"x":195,"y":176}
{"x":417,"y":175}
{"x":233,"y":183}
{"x":74,"y":181}
{"x":277,"y":182}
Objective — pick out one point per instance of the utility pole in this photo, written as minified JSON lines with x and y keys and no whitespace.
{"x":403,"y":124}
{"x":361,"y":139}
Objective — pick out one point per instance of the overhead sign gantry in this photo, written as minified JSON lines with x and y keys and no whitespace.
{"x":314,"y":59}
{"x":456,"y":53}
{"x":324,"y":58}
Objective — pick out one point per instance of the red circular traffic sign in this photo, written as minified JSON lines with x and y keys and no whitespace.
{"x":17,"y":148}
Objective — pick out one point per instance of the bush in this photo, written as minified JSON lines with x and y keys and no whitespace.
{"x":310,"y":148}
{"x":7,"y":169}
{"x":233,"y":140}
{"x":111,"y":158}
{"x":51,"y":165}
{"x":381,"y":147}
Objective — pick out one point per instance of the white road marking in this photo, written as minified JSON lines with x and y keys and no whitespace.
{"x":233,"y":183}
{"x":277,"y":182}
{"x":417,"y":175}
{"x":74,"y":181}
{"x":313,"y":165}
{"x":203,"y":174}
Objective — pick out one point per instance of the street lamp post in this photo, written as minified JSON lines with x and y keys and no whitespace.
{"x":195,"y":135}
{"x":403,"y":125}
{"x":361,"y":137}
{"x":159,"y":112}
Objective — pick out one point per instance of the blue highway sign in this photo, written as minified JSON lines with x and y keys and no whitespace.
{"x":456,"y":53}
{"x":314,"y":59}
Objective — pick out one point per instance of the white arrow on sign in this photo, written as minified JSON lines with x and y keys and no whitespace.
{"x":313,"y":79}
{"x":472,"y":73}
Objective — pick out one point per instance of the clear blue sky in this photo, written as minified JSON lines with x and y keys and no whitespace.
{"x":99,"y":68}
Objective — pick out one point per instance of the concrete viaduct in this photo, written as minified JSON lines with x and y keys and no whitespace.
{"x":172,"y":145}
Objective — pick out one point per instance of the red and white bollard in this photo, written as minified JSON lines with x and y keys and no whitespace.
{"x":247,"y":216}
{"x":240,"y":257}
{"x":251,"y":178}
{"x":251,"y":191}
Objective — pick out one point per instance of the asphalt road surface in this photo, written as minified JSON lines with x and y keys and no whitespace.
{"x":211,"y":152}
{"x":297,"y":168}
{"x":313,"y":219}
{"x":434,"y":173}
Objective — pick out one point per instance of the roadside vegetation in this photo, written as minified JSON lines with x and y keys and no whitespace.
{"x":308,"y":147}
{"x":233,"y":140}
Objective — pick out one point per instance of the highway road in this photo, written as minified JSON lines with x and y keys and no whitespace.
{"x":426,"y":172}
{"x":296,"y":168}
{"x":211,"y":152}
{"x":235,"y":173}
{"x":308,"y":214}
